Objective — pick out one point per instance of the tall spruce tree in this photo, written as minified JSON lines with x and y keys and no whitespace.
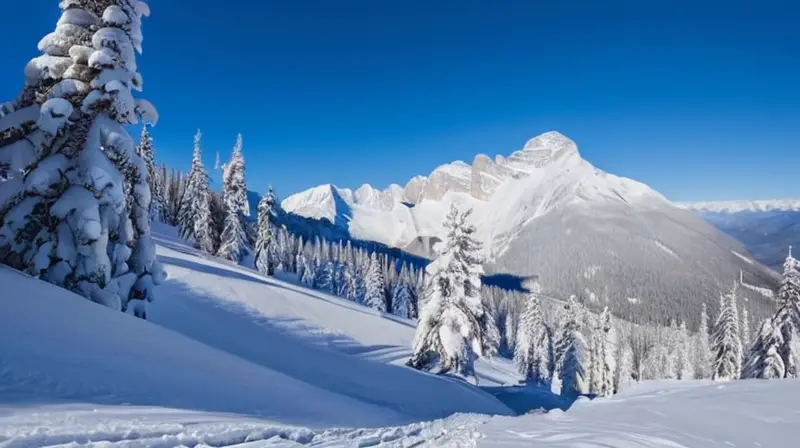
{"x":763,"y":360}
{"x":147,"y":153}
{"x":726,"y":345}
{"x":74,"y":194}
{"x":375,"y":285}
{"x":264,"y":251}
{"x":195,"y":214}
{"x":788,"y":316}
{"x":702,"y":354}
{"x":683,"y":365}
{"x":573,"y":373}
{"x":450,"y":333}
{"x":569,"y":322}
{"x":402,"y":296}
{"x":533,"y":353}
{"x":235,"y":244}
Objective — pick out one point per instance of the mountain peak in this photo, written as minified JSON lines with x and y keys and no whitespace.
{"x":552,"y":140}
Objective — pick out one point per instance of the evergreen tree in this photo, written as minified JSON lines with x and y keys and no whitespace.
{"x":74,"y":194}
{"x":450,"y":331}
{"x":745,"y":328}
{"x":600,"y":372}
{"x":788,"y":317}
{"x":726,"y":345}
{"x":763,"y":360}
{"x":624,"y":366}
{"x":571,"y":316}
{"x":375,"y":289}
{"x":194,"y":217}
{"x":265,"y":241}
{"x":682,"y":360}
{"x":533,"y":353}
{"x":147,"y":153}
{"x":300,"y":259}
{"x":573,"y":371}
{"x":235,"y":244}
{"x":339,"y":280}
{"x":401,"y":295}
{"x":702,"y":354}
{"x":354,"y":284}
{"x":324,"y":277}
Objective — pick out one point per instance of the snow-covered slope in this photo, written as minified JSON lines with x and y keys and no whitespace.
{"x":666,"y":414}
{"x":545,"y":211}
{"x":224,"y":339}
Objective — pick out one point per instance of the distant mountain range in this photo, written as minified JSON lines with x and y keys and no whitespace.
{"x":766,"y":228}
{"x":545,"y":212}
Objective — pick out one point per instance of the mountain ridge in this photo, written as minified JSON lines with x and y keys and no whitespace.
{"x":745,"y":205}
{"x":546,"y":212}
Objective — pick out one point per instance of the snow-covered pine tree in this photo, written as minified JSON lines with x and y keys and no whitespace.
{"x":324,"y":279}
{"x":216,"y":206}
{"x":309,"y":270}
{"x":569,"y":322}
{"x":339,"y":282}
{"x":683,"y":363}
{"x":418,"y":290}
{"x":264,"y":242}
{"x":606,"y":354}
{"x":788,"y":316}
{"x":573,"y":365}
{"x":702,"y":353}
{"x":375,"y":289}
{"x":491,"y":333}
{"x":600,"y":369}
{"x":623,"y":374}
{"x":401,"y":295}
{"x":354,"y":284}
{"x":235,"y":244}
{"x":300,"y":259}
{"x":763,"y":360}
{"x":745,"y":328}
{"x":533,"y":353}
{"x":175,"y":186}
{"x":66,"y":161}
{"x":450,"y":333}
{"x":147,"y":153}
{"x":194,"y":217}
{"x":726,"y":346}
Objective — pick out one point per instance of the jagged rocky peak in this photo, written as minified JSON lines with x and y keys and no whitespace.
{"x":486,"y":176}
{"x":452,"y":177}
{"x":413,"y":191}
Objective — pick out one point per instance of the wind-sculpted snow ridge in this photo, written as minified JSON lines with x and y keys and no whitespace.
{"x":546,"y":212}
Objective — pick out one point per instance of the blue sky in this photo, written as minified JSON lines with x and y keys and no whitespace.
{"x":700,"y":100}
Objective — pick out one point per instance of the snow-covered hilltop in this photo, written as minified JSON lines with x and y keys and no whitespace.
{"x":545,"y":211}
{"x":769,"y":205}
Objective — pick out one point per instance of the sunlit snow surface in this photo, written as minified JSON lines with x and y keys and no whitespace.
{"x":668,"y":414}
{"x":230,"y":358}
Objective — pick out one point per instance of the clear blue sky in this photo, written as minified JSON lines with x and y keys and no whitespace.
{"x":701,"y":100}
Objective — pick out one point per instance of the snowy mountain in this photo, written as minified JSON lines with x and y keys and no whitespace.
{"x":773,"y":205}
{"x":765,"y":228}
{"x":545,"y":211}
